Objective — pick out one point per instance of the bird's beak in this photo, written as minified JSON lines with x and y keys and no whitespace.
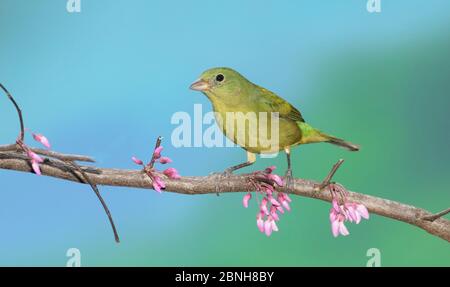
{"x":199,"y":85}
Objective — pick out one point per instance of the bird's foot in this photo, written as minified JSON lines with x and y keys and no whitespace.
{"x":288,"y":180}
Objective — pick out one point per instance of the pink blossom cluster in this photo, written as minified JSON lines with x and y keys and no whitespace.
{"x":35,"y":159}
{"x":272,"y":204}
{"x":157,"y":182}
{"x":344,"y":211}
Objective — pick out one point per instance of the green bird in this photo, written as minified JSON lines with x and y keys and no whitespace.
{"x":231,"y":93}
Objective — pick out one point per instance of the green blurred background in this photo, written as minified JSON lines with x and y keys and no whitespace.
{"x":105,"y":82}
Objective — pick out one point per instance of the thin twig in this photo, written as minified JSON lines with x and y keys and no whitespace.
{"x":19,"y":113}
{"x":437,"y":215}
{"x":330,"y":175}
{"x":85,"y":179}
{"x":49,"y":153}
{"x":153,"y":159}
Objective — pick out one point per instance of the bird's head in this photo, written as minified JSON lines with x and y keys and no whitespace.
{"x":221,"y":83}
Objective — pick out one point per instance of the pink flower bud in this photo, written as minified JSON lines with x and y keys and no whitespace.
{"x":42,"y":139}
{"x":164,"y":160}
{"x":268,"y":226}
{"x":35,"y":166}
{"x":34,"y":157}
{"x":263,"y":206}
{"x":274,"y":225}
{"x":172,"y":173}
{"x":268,"y":189}
{"x":156,"y":187}
{"x":333,"y":215}
{"x":273,"y":200}
{"x":137,"y":161}
{"x":276,"y":178}
{"x":158,"y":184}
{"x":274,"y":214}
{"x":335,"y":205}
{"x":280,"y":209}
{"x":286,"y":196}
{"x":157,"y":152}
{"x":362,"y":210}
{"x":335,"y":228}
{"x":260,"y":221}
{"x":246,"y":198}
{"x":270,"y":169}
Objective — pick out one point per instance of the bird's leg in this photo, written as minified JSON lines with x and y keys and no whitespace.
{"x":288,"y":176}
{"x":251,"y":158}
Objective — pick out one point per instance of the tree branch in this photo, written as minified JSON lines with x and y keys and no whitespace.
{"x":67,"y":161}
{"x":439,"y":227}
{"x":63,"y":166}
{"x":50,"y":153}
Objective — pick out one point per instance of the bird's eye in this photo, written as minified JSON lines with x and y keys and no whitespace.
{"x":220,"y":78}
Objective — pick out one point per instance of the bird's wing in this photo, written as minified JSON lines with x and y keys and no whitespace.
{"x":270,"y":102}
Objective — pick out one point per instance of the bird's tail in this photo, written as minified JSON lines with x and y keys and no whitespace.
{"x":312,"y":135}
{"x":342,"y":143}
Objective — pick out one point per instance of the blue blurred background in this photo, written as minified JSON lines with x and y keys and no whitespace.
{"x":105,"y":82}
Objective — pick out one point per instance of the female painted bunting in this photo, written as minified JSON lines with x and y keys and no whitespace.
{"x":238,"y":105}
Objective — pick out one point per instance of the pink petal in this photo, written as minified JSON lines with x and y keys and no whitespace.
{"x":285,"y":204}
{"x":156,"y":187}
{"x":342,"y":229}
{"x":42,"y":139}
{"x":335,"y":205}
{"x":274,"y":214}
{"x":362,"y":210}
{"x":273,"y":200}
{"x":263,"y":206}
{"x":172,"y":173}
{"x":351,"y":212}
{"x":333,"y":215}
{"x":35,"y":166}
{"x":274,"y":226}
{"x":160,"y":182}
{"x":287,"y":197}
{"x":165,"y":160}
{"x":137,"y":161}
{"x":335,"y":228}
{"x":276,"y":178}
{"x":268,"y":189}
{"x":260,"y":224}
{"x":246,"y":198}
{"x":260,"y":221}
{"x":34,"y":157}
{"x":157,"y":152}
{"x":280,"y":209}
{"x":268,"y":227}
{"x":358,"y":217}
{"x":270,"y":169}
